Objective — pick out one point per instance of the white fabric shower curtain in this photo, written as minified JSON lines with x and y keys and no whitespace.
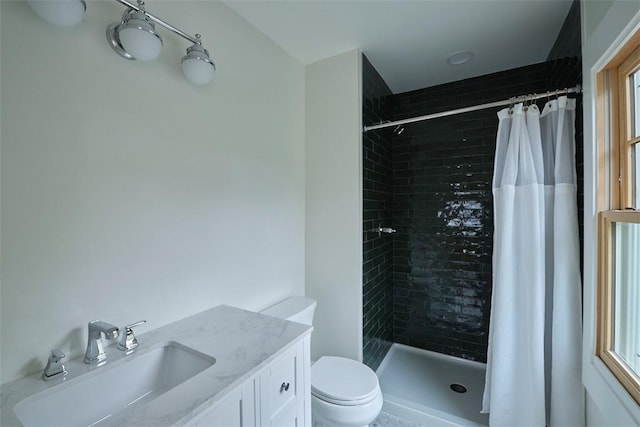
{"x":534,"y":357}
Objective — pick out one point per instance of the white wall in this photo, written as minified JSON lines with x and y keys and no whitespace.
{"x":128,"y":193}
{"x":334,"y":203}
{"x":604,"y":24}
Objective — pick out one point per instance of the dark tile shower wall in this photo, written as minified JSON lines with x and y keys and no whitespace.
{"x":443,"y":210}
{"x":568,"y":44}
{"x":377,"y":195}
{"x":442,"y":203}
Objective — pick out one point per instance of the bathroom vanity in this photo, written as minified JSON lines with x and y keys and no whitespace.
{"x":223,"y":367}
{"x":272,"y":397}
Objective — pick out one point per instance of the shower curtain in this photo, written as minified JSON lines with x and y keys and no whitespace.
{"x":534,"y":358}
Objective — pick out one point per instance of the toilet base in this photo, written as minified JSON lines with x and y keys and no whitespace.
{"x":325,"y":414}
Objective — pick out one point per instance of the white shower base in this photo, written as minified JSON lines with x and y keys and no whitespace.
{"x":416,"y":385}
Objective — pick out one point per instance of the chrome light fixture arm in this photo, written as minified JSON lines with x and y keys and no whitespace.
{"x":160,"y":21}
{"x":135,"y":38}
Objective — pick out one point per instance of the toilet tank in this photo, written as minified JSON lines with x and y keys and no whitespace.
{"x":294,"y":309}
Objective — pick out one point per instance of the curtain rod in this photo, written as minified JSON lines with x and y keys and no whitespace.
{"x":513,"y":100}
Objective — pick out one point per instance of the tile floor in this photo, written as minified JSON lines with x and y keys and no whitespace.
{"x":387,"y":420}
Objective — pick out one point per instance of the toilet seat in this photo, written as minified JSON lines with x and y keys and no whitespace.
{"x":343,"y":381}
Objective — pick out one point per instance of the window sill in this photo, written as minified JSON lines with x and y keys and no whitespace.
{"x":618,"y":407}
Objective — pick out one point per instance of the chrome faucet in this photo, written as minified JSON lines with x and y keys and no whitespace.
{"x":54,"y":368}
{"x":95,"y":351}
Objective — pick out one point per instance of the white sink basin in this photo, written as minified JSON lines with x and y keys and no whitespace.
{"x":96,"y":396}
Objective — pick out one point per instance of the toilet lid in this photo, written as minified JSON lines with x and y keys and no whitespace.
{"x":343,"y":381}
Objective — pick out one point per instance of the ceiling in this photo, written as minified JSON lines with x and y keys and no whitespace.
{"x":408,"y":41}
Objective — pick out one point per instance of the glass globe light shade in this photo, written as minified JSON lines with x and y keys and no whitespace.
{"x":197,"y":71}
{"x":63,"y":13}
{"x":138,"y":37}
{"x":139,"y":42}
{"x":197,"y":66}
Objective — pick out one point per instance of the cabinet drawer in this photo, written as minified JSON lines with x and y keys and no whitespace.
{"x":284,"y":389}
{"x":282,"y":383}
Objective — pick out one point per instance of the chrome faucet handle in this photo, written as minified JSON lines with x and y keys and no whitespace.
{"x":55,"y":368}
{"x":128,"y":340}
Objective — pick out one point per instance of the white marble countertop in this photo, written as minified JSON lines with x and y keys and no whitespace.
{"x":242,"y":342}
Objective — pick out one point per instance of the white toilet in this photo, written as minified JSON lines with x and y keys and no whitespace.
{"x":344,"y":392}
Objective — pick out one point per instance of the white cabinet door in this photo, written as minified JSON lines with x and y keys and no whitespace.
{"x":282,"y":389}
{"x":278,"y":396}
{"x":235,"y":410}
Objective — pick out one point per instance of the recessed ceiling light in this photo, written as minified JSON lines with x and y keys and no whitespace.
{"x":459,"y":58}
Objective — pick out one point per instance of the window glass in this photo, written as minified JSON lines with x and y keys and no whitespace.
{"x":635,"y":152}
{"x":636,"y":175}
{"x":626,"y":284}
{"x":636,"y":103}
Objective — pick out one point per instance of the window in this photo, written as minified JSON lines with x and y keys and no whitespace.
{"x":636,"y":134}
{"x":618,"y":343}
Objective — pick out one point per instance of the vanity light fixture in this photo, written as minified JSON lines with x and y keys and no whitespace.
{"x":135,"y":36}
